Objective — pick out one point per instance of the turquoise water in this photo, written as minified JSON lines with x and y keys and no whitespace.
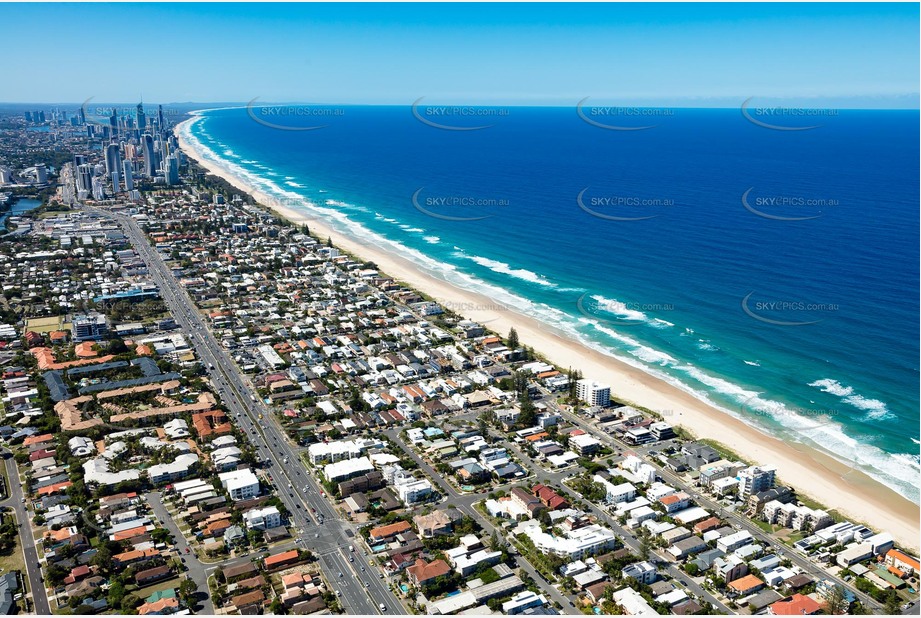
{"x":806,"y":329}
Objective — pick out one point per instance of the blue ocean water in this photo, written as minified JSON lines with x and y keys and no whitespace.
{"x":772,"y":273}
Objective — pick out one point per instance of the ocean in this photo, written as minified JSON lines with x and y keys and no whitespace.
{"x":770,"y":272}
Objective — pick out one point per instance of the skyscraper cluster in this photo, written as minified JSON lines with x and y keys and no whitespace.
{"x":135,"y":146}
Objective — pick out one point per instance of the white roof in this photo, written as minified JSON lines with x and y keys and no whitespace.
{"x":238,"y":478}
{"x":347,"y":467}
{"x":690,"y":515}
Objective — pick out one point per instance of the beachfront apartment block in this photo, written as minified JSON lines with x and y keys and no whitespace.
{"x":902,"y":561}
{"x":755,"y":479}
{"x":790,"y":515}
{"x":593,"y":393}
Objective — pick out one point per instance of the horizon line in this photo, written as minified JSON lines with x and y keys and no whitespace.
{"x":775,"y":103}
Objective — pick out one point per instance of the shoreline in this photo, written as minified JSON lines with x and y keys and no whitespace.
{"x":836,"y":485}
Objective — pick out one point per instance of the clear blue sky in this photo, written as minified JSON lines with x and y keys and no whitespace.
{"x":852,"y":55}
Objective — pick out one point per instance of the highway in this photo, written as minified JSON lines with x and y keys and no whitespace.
{"x":30,"y":553}
{"x":298,"y":491}
{"x":329,"y":538}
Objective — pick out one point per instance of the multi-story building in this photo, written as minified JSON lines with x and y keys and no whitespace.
{"x":91,"y":326}
{"x":593,"y":393}
{"x":262,"y":519}
{"x":756,"y":479}
{"x":240,"y":484}
{"x":643,"y":572}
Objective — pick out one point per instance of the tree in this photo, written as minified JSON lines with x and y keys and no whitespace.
{"x":129,"y":603}
{"x":645,"y":547}
{"x":117,"y":594}
{"x":893,"y":605}
{"x":494,"y":543}
{"x":116,"y":346}
{"x":527,"y":416}
{"x":512,"y":341}
{"x":187,"y":590}
{"x":835,"y":600}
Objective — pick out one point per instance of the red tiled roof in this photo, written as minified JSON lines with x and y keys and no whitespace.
{"x":797,"y":605}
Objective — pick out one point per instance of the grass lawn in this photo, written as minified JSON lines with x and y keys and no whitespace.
{"x":6,"y":480}
{"x":769,"y":528}
{"x":15,"y":561}
{"x":143,"y":593}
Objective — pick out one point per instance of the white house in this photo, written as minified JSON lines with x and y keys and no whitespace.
{"x":262,"y":519}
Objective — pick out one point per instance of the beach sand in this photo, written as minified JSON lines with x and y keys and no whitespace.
{"x":811,"y":472}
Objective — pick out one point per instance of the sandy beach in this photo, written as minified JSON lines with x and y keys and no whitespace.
{"x":811,"y":472}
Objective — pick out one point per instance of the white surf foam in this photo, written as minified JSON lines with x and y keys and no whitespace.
{"x":900,"y":472}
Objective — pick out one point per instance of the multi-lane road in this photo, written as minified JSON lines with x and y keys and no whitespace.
{"x":360,"y":592}
{"x":30,"y":553}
